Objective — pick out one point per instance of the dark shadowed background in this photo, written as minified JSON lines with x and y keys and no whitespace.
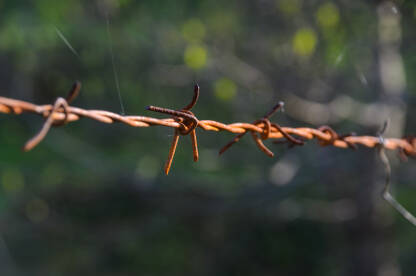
{"x":92,"y":198}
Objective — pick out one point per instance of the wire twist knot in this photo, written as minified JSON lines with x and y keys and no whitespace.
{"x":187,"y":125}
{"x":267,"y":127}
{"x":335,"y":136}
{"x":60,"y":105}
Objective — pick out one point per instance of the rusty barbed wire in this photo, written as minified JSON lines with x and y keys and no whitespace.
{"x":184,"y":122}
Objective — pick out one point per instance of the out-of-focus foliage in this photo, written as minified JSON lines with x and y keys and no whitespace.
{"x":92,"y":198}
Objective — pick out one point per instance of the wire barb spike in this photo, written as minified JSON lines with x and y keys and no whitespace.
{"x":184,"y":122}
{"x":187,"y":125}
{"x":266,"y":125}
{"x":60,"y":103}
{"x":74,"y":92}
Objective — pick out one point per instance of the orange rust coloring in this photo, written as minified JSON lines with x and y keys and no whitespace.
{"x":187,"y":125}
{"x":59,"y":104}
{"x":266,"y":125}
{"x":184,"y":122}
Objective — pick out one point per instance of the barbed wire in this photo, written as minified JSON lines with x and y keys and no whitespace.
{"x":184,"y":122}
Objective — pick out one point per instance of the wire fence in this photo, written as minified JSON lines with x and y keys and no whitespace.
{"x":184,"y":122}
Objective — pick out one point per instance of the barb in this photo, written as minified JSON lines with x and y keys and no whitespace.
{"x":188,"y":123}
{"x":60,"y":103}
{"x":265,"y":134}
{"x":184,"y":122}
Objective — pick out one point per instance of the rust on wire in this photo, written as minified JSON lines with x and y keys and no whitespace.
{"x":266,"y":132}
{"x":336,"y":136}
{"x":184,"y":122}
{"x":188,"y":123}
{"x":60,"y":103}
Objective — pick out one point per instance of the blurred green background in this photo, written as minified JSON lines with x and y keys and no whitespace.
{"x":92,"y":198}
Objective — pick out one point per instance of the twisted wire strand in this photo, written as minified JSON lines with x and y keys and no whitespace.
{"x":184,"y":122}
{"x":72,"y":114}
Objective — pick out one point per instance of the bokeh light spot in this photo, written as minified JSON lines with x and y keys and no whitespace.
{"x":225,"y":89}
{"x":327,"y":15}
{"x":289,"y":7}
{"x":193,"y":30}
{"x":195,"y":56}
{"x":37,"y":210}
{"x":304,"y":42}
{"x":12,"y":181}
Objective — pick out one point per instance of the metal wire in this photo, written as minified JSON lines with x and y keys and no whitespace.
{"x":184,"y":122}
{"x":57,"y":113}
